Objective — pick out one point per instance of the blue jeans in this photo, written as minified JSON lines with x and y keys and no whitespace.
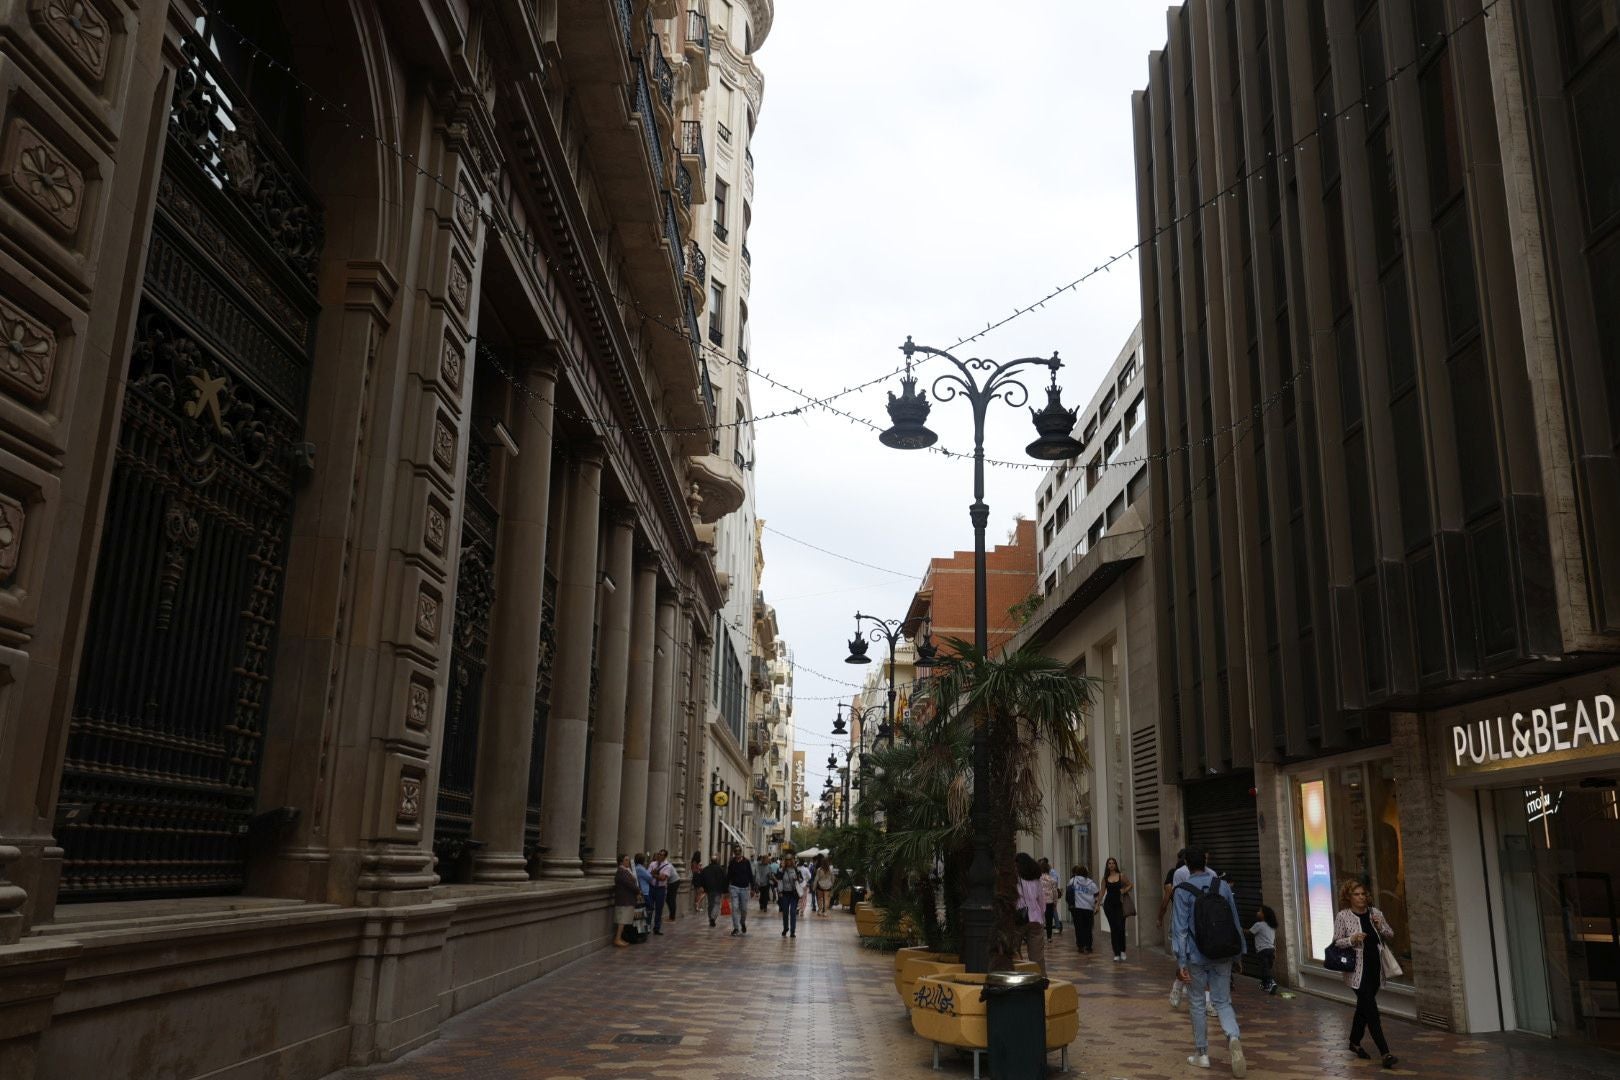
{"x":1217,"y":979}
{"x":789,"y":903}
{"x":739,"y":906}
{"x":659,"y":894}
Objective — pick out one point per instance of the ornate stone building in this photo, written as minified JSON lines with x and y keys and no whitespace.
{"x":357,"y":504}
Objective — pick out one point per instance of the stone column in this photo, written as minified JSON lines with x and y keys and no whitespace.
{"x":612,"y":694}
{"x":663,"y":733}
{"x":506,"y":731}
{"x":638,"y":716}
{"x":564,"y":791}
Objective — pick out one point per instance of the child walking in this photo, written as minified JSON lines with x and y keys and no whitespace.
{"x":1265,"y":946}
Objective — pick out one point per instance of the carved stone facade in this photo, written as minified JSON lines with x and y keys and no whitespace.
{"x":270,"y":598}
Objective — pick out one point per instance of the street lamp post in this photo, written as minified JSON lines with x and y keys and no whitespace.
{"x":882,"y":630}
{"x":981,"y":381}
{"x":885,"y":731}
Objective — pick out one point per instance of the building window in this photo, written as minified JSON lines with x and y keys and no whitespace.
{"x":1095,"y":533}
{"x":1047,"y":531}
{"x":1133,"y":417}
{"x":1051,"y":583}
{"x":1137,"y":486}
{"x":1107,"y":404}
{"x":1350,"y":828}
{"x":1111,"y":446}
{"x":717,"y":313}
{"x":1115,"y":508}
{"x":1093,"y":472}
{"x":721,"y":190}
{"x":1127,"y":374}
{"x":1063,"y":512}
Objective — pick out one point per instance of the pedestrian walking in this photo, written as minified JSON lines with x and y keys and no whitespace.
{"x":643,"y":877}
{"x":1362,"y":927}
{"x":1082,"y":893}
{"x":792,"y":880}
{"x":1264,"y":931}
{"x":713,"y":880}
{"x":1177,"y":876}
{"x":1208,"y":935}
{"x":764,"y":875}
{"x":698,"y":895}
{"x":824,"y":884}
{"x":626,"y":891}
{"x":675,"y":887}
{"x":740,"y":880}
{"x":1053,"y":889}
{"x":660,"y":870}
{"x":1118,"y":903}
{"x":1032,"y":909}
{"x":1164,"y":907}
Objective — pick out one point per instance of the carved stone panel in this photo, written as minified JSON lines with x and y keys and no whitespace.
{"x":435,"y":528}
{"x":460,"y":284}
{"x":450,"y":364}
{"x":408,"y":809}
{"x":78,"y":31}
{"x":444,"y":443}
{"x":27,"y":355}
{"x":11,"y":531}
{"x":419,"y":705}
{"x":40,"y":177}
{"x":427,"y":615}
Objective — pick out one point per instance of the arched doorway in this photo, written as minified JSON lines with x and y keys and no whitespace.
{"x":158,"y":785}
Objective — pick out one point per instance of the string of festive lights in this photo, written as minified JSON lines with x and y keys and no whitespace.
{"x":811,"y":401}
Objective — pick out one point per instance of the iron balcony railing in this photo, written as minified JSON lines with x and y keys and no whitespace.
{"x":748,"y":156}
{"x":666,"y":78}
{"x":742,"y":356}
{"x":723,"y":131}
{"x":641,"y":102}
{"x":672,"y":236}
{"x":626,"y":20}
{"x":692,"y":143}
{"x":716,"y":335}
{"x":703,"y":372}
{"x":697,"y":29}
{"x":697,"y":262}
{"x":683,"y":185}
{"x":720,"y":230}
{"x":747,"y":258}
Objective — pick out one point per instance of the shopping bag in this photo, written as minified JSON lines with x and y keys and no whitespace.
{"x":725,"y":905}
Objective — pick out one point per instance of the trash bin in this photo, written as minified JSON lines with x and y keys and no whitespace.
{"x":1015,"y":1019}
{"x":857,"y":895}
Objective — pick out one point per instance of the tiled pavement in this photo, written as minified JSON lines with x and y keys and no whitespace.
{"x":820,"y":1007}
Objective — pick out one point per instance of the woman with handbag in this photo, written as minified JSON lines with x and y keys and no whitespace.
{"x":1358,"y":928}
{"x":1118,"y":903}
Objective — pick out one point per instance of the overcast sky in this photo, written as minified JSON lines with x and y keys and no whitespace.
{"x":924,"y":169}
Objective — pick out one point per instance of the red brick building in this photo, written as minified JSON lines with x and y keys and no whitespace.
{"x":943,"y":604}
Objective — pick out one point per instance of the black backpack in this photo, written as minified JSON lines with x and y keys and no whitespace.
{"x":1214,"y":930}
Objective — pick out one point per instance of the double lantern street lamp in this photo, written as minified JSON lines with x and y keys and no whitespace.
{"x":980,"y":381}
{"x":887,"y":630}
{"x":885,"y":731}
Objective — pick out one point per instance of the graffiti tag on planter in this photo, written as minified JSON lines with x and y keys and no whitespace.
{"x":941,"y":999}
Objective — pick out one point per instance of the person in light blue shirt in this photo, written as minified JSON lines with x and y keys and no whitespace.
{"x":1203,"y":973}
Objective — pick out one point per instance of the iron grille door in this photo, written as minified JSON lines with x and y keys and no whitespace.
{"x":542,"y":713}
{"x":158,"y":784}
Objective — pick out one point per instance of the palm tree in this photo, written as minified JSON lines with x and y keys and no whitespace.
{"x":1027,"y":701}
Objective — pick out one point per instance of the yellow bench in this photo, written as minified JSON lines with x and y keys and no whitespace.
{"x":947,"y":1009}
{"x":912,"y":964}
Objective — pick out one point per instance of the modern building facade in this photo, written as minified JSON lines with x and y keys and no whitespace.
{"x":1381,"y":265}
{"x":359,"y":491}
{"x":1096,"y":616}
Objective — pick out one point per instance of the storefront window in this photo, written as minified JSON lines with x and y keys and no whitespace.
{"x":1350,"y":825}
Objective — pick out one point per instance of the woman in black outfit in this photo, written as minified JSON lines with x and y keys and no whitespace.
{"x":1118,"y":904}
{"x":1363,"y":927}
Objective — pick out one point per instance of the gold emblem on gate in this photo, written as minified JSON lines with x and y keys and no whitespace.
{"x":208,"y":388}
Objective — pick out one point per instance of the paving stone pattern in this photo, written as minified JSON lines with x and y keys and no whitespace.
{"x":821,"y":1007}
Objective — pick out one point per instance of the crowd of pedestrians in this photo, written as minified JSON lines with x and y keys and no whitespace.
{"x":1208,"y":937}
{"x":646,"y":885}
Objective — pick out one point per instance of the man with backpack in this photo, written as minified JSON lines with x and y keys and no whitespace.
{"x":1208,"y":935}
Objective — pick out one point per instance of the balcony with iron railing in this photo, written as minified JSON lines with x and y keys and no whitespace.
{"x":683,"y":186}
{"x":721,"y":233}
{"x":693,"y":156}
{"x":697,"y":263}
{"x":742,"y":356}
{"x":664,"y":75}
{"x":717,"y":333}
{"x":697,"y":48}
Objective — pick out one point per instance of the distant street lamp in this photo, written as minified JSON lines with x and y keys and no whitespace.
{"x":882,"y":630}
{"x":981,"y":381}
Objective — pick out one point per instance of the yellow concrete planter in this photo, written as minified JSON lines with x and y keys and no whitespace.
{"x":922,"y":962}
{"x":946,"y":1010}
{"x":869,"y":922}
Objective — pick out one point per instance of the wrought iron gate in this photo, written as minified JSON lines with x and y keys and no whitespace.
{"x":542,"y":713}
{"x":159,"y":780}
{"x":475,"y":594}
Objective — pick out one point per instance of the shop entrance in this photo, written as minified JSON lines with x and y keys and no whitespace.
{"x":1560,"y":859}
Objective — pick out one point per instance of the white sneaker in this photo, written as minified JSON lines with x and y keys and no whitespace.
{"x":1239,"y":1066}
{"x":1198,"y":1061}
